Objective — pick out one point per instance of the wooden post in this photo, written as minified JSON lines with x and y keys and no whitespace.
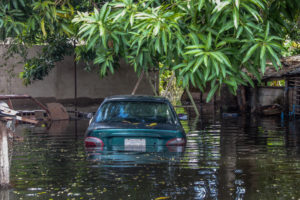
{"x":286,"y":100}
{"x":4,"y":160}
{"x":241,"y":99}
{"x":201,"y":97}
{"x":222,"y":99}
{"x":75,"y":81}
{"x":255,"y":100}
{"x":244,"y":100}
{"x":4,"y":195}
{"x":214,"y":104}
{"x":201,"y":103}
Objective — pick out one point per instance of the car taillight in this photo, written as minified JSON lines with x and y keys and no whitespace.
{"x":176,"y":141}
{"x":93,"y":142}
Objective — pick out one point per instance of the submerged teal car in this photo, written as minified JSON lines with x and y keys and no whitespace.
{"x":135,"y":123}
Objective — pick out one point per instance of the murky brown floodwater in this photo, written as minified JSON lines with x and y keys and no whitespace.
{"x":231,"y":158}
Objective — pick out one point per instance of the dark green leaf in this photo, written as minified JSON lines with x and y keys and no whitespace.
{"x":211,"y":93}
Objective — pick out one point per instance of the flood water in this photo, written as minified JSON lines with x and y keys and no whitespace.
{"x":229,"y":158}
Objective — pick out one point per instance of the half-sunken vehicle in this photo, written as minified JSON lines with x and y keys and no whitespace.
{"x":131,"y":123}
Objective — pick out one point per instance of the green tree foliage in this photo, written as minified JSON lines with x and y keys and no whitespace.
{"x":206,"y":43}
{"x":39,"y":22}
{"x":45,"y":23}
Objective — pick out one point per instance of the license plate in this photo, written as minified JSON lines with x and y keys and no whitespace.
{"x":135,"y":144}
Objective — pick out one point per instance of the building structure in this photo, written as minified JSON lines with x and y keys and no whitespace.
{"x":58,"y":86}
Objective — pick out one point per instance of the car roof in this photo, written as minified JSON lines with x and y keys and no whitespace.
{"x":136,"y":98}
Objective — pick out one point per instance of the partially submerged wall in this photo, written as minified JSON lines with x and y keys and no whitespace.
{"x":270,"y":95}
{"x":264,"y":95}
{"x":59,"y":84}
{"x":228,"y":102}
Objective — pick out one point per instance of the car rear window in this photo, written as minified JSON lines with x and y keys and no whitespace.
{"x":135,"y":112}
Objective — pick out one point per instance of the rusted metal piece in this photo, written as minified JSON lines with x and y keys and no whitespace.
{"x":9,"y":103}
{"x":40,"y":104}
{"x":39,"y":114}
{"x":58,"y":127}
{"x":24,"y":119}
{"x":13,"y":96}
{"x":10,"y":114}
{"x":57,"y":111}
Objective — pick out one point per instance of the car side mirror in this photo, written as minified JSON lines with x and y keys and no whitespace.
{"x":91,"y":117}
{"x":90,"y":120}
{"x":182,"y":116}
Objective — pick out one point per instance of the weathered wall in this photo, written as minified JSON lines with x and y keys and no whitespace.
{"x":265,"y":96}
{"x":60,"y":82}
{"x":270,"y":95}
{"x":11,"y":84}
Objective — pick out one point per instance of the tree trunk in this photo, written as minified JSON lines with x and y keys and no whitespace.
{"x":138,"y":83}
{"x":4,"y":160}
{"x":192,"y":100}
{"x":168,"y":85}
{"x":151,"y":84}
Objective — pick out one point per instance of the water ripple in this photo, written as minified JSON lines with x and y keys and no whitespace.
{"x":223,"y":159}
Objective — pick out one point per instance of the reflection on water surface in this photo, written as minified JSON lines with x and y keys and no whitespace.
{"x":232,"y":158}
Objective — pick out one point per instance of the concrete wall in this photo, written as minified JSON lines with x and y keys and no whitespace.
{"x":270,"y":95}
{"x":59,"y":84}
{"x":11,"y":84}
